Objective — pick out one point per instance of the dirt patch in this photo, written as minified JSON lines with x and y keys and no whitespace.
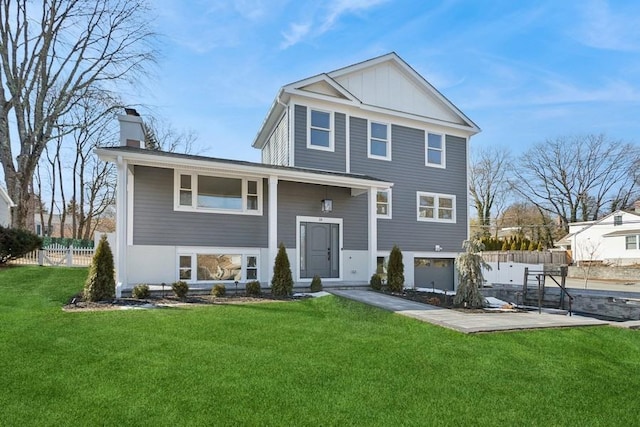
{"x":77,"y":304}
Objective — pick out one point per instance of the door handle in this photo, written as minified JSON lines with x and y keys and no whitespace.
{"x":328,"y":254}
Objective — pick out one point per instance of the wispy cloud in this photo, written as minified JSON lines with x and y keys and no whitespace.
{"x":601,"y":27}
{"x":324,"y":19}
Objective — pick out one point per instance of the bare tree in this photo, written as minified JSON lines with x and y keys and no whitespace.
{"x":578,"y":178}
{"x":488,"y":184}
{"x":52,"y":54}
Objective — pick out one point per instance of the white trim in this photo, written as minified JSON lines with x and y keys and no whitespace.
{"x":194,"y":193}
{"x":194,"y":251}
{"x":273,"y":223}
{"x":320,"y":220}
{"x":389,"y":203}
{"x":331,"y":130}
{"x":373,"y":231}
{"x":5,"y":196}
{"x":443,"y":150}
{"x":130,"y":187}
{"x":121,"y":225}
{"x":435,"y":255}
{"x":436,"y":207}
{"x":347,"y":151}
{"x":387,"y":141}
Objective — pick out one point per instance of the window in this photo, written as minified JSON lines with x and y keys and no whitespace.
{"x":252,"y":267}
{"x":383,"y":203}
{"x":218,"y":194}
{"x":435,"y":150}
{"x":379,"y":145}
{"x":320,"y":136}
{"x":617,"y":220}
{"x":436,"y":207}
{"x":217,"y":266}
{"x":632,"y":242}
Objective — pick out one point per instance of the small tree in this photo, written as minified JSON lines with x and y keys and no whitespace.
{"x":469,"y":265}
{"x":395,"y":270}
{"x":15,"y":243}
{"x":316,"y":284}
{"x":101,"y":284}
{"x":282,"y":282}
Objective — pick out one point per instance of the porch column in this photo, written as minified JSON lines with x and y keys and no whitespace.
{"x":273,"y":224}
{"x":373,"y":231}
{"x":121,"y":226}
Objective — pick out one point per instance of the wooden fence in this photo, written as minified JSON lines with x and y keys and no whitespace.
{"x":527,"y":257}
{"x":57,"y":256}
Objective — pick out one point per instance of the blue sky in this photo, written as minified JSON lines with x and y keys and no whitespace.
{"x":524,"y":71}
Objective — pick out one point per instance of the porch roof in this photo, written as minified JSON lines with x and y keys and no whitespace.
{"x":159,"y":158}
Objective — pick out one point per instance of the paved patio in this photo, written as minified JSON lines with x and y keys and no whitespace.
{"x":467,"y":322}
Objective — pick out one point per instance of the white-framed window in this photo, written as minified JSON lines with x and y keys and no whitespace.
{"x":434,"y":150}
{"x":217,"y":194}
{"x":217,"y":265}
{"x":632,"y":242}
{"x":383,"y":203}
{"x":319,"y":132}
{"x":436,"y":207}
{"x":379,"y":146}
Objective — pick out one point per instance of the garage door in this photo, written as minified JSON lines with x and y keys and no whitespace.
{"x":433,"y":273}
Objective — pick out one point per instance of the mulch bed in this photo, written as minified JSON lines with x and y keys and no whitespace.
{"x":77,"y":303}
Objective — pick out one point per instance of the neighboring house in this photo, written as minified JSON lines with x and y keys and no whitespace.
{"x":353,"y":162}
{"x":5,"y":207}
{"x":612,"y":240}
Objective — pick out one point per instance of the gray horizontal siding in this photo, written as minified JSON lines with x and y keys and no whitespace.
{"x":318,"y":159}
{"x":409,"y":174}
{"x":296,"y":199}
{"x":156,"y":223}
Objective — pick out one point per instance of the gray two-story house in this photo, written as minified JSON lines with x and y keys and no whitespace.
{"x":353,"y":162}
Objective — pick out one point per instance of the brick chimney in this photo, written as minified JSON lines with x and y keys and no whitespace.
{"x":131,"y":131}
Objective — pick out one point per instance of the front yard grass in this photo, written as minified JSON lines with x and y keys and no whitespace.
{"x":324,"y":361}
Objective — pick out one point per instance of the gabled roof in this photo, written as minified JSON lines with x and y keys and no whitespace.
{"x":385,"y":84}
{"x":5,"y":196}
{"x":589,"y":224}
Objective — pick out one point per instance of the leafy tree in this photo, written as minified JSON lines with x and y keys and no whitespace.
{"x":15,"y":243}
{"x":469,"y":265}
{"x":282,"y":281}
{"x":101,"y":284}
{"x":395,"y":270}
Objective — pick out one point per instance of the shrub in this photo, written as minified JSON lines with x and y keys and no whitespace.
{"x":282,"y":282}
{"x":180,"y":288}
{"x":219,"y":290}
{"x":470,"y":276}
{"x":376,"y":282}
{"x":141,"y":291}
{"x":434,"y":301}
{"x":101,"y":284}
{"x":316,"y":284}
{"x":395,"y":270}
{"x":15,"y":243}
{"x":253,"y":288}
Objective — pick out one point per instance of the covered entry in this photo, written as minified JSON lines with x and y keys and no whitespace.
{"x":433,"y":273}
{"x":319,"y":248}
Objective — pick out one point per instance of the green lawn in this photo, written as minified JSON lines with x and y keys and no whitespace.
{"x":322,"y":361}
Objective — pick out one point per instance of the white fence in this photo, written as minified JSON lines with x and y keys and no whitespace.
{"x":58,"y":256}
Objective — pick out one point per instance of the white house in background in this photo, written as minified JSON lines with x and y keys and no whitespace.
{"x":5,"y":207}
{"x":612,"y":240}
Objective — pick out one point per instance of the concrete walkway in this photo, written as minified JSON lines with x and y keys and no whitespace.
{"x":466,"y":322}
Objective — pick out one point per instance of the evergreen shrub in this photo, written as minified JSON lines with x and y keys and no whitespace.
{"x":316,"y":284}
